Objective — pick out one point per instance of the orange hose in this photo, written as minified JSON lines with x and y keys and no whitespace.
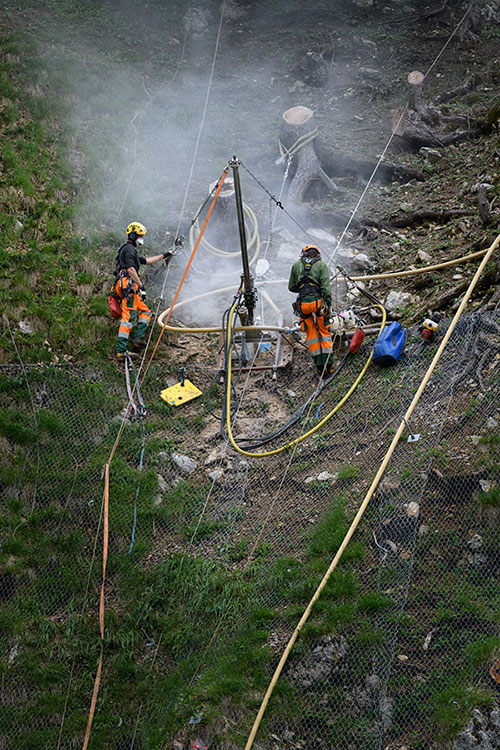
{"x":195,"y":248}
{"x":97,"y":681}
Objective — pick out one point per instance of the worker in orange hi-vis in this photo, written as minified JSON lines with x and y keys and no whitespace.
{"x":309,"y":277}
{"x":130,"y":289}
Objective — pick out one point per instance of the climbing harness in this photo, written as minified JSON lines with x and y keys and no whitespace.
{"x":307,"y":287}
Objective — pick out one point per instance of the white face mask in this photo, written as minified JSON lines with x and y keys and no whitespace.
{"x":140,"y":241}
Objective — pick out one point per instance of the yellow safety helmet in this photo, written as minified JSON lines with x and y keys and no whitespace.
{"x":137,"y":229}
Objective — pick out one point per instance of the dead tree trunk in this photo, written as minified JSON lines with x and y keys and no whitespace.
{"x":484,"y":204}
{"x":421,"y":123}
{"x":298,"y":130}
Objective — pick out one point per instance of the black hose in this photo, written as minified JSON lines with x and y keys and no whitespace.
{"x":251,"y":443}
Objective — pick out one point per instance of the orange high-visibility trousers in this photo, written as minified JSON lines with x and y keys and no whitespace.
{"x":318,"y":337}
{"x":133,"y":309}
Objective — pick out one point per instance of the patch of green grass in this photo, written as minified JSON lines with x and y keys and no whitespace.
{"x":452,"y":706}
{"x":348,"y":472}
{"x":490,"y":498}
{"x":480,"y":653}
{"x":374,"y":601}
{"x":491,"y":439}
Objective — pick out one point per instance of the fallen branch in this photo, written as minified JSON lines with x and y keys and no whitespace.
{"x":424,"y":215}
{"x":422,"y":16}
{"x":451,"y":295}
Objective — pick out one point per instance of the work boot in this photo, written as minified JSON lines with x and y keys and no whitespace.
{"x":138,"y":344}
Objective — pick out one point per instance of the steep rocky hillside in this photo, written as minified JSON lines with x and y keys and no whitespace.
{"x":213,"y":555}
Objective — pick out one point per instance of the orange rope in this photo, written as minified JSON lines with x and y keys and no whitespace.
{"x":195,"y":248}
{"x":101,"y":607}
{"x":97,"y":681}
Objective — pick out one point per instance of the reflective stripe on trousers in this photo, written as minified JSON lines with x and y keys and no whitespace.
{"x":318,"y":337}
{"x":132,"y":308}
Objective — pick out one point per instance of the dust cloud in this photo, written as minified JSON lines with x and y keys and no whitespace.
{"x":155,"y":119}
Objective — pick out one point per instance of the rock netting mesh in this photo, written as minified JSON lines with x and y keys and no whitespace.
{"x":213,"y":556}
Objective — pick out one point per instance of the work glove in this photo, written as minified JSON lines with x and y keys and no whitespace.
{"x":142,"y":293}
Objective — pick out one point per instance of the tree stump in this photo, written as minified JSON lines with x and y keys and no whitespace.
{"x":222,"y":229}
{"x":315,"y":161}
{"x":421,"y":123}
{"x":298,"y":123}
{"x":484,"y":205}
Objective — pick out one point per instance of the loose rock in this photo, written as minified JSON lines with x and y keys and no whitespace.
{"x":216,"y":475}
{"x":26,"y":327}
{"x":431,"y":155}
{"x":323,"y":236}
{"x":361,"y":262}
{"x":162,"y":485}
{"x":325,"y":476}
{"x":321,"y":662}
{"x":397,"y":300}
{"x":186,"y":465}
{"x":475,"y":542}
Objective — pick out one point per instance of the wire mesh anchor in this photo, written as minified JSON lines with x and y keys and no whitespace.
{"x":413,"y":436}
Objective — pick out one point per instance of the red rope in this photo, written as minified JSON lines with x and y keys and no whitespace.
{"x":97,"y":681}
{"x":195,"y":248}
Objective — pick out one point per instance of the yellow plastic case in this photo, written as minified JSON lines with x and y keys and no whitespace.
{"x":180,"y":394}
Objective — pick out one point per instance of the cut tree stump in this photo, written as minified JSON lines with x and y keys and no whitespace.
{"x":421,"y":123}
{"x":314,"y":161}
{"x":223,"y":225}
{"x":484,"y":204}
{"x":298,"y":123}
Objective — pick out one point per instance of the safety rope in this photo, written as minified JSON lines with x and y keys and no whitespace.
{"x":191,"y":258}
{"x":200,"y":130}
{"x":403,"y":424}
{"x":141,"y":413}
{"x":299,"y":143}
{"x":394,"y":131}
{"x":97,"y":680}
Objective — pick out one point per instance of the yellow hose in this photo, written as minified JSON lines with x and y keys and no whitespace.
{"x":488,"y":253}
{"x":309,"y":432}
{"x":425,"y":269}
{"x":392,"y":275}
